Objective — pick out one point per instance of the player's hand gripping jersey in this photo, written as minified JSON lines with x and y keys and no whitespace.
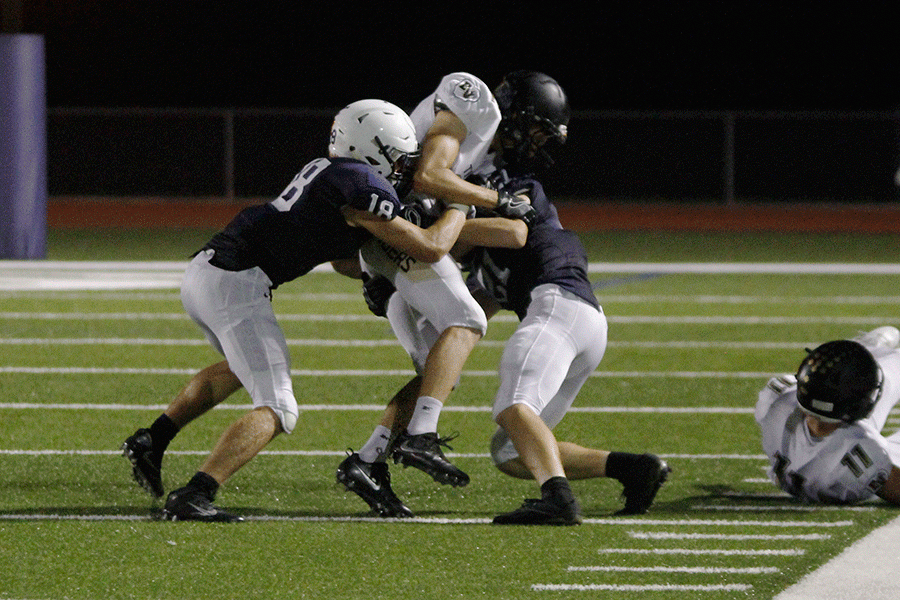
{"x":551,"y":255}
{"x":304,"y":227}
{"x":847,"y":466}
{"x":472,"y":101}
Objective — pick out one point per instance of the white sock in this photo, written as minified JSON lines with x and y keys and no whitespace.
{"x":425,"y":416}
{"x":374,"y":449}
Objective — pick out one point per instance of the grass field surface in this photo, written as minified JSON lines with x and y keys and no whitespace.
{"x":82,"y":368}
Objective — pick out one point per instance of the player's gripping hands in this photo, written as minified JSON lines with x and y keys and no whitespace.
{"x":515,"y":207}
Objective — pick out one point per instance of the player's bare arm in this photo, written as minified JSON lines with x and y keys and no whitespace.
{"x":491,"y":232}
{"x":425,"y":245}
{"x":891,"y":490}
{"x":434,"y":175}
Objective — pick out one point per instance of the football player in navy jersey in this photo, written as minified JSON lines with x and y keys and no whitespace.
{"x":327,"y":212}
{"x":559,"y":342}
{"x":467,"y":131}
{"x":516,"y":127}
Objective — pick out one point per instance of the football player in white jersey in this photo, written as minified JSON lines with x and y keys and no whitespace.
{"x":821,"y":428}
{"x":465,"y":134}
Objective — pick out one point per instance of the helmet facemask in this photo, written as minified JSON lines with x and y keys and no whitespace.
{"x":535,"y":118}
{"x":403,"y":166}
{"x":528,"y":141}
{"x":839,"y":382}
{"x":381,"y":135}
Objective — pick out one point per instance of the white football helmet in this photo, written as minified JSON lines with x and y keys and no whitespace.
{"x":379,"y":134}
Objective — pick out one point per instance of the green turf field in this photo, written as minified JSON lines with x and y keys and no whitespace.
{"x":688,"y":352}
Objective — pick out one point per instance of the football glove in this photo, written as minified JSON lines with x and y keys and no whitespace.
{"x":512,"y":207}
{"x":421,"y":213}
{"x":377,"y":291}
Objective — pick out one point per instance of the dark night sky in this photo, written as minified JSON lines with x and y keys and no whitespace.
{"x":615,"y":55}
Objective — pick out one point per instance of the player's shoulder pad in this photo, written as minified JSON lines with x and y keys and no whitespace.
{"x":470,"y":99}
{"x":363,"y":187}
{"x":464,"y":86}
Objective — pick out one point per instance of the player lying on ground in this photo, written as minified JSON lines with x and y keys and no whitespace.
{"x":821,"y":428}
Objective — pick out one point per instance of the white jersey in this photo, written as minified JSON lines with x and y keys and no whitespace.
{"x":472,"y":101}
{"x":433,"y":296}
{"x":849,"y":465}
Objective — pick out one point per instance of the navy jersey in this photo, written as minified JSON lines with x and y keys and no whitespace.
{"x":550,"y":255}
{"x":304,"y":226}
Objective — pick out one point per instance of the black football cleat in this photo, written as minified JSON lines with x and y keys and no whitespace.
{"x":372,"y":483}
{"x":145,"y":464}
{"x":190,"y":504}
{"x":643,"y":484}
{"x":423,"y":452}
{"x":541,"y":512}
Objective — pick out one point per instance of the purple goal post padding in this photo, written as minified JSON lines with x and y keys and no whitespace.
{"x":23,"y":147}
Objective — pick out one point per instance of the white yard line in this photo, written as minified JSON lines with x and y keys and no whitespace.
{"x":326,"y":343}
{"x":747,"y":267}
{"x":690,"y":570}
{"x":42,"y":275}
{"x":740,"y":537}
{"x":380,"y":407}
{"x":604,"y":587}
{"x":763,"y":376}
{"x":340,"y":318}
{"x":59,"y":452}
{"x":703,"y":552}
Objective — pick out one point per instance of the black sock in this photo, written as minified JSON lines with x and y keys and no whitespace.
{"x":557,"y":490}
{"x":162,"y":432}
{"x":619,"y":465}
{"x":204,"y":483}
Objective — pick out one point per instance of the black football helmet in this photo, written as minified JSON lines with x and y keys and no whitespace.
{"x":839,"y":382}
{"x":535,"y":118}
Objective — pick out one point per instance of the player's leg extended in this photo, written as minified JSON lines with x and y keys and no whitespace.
{"x":532,"y":370}
{"x":538,"y":451}
{"x":438,"y":322}
{"x":578,"y":462}
{"x":365,"y":472}
{"x":258,"y":357}
{"x":236,"y":308}
{"x":539,"y":454}
{"x":419,"y":445}
{"x":205,"y":390}
{"x":146,"y":447}
{"x":243,"y":440}
{"x":444,"y":365}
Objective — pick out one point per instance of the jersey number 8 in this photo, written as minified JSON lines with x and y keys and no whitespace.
{"x":294,"y":190}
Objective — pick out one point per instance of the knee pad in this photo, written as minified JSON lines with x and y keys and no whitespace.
{"x":288,"y":419}
{"x":468,"y":315}
{"x":502,"y":449}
